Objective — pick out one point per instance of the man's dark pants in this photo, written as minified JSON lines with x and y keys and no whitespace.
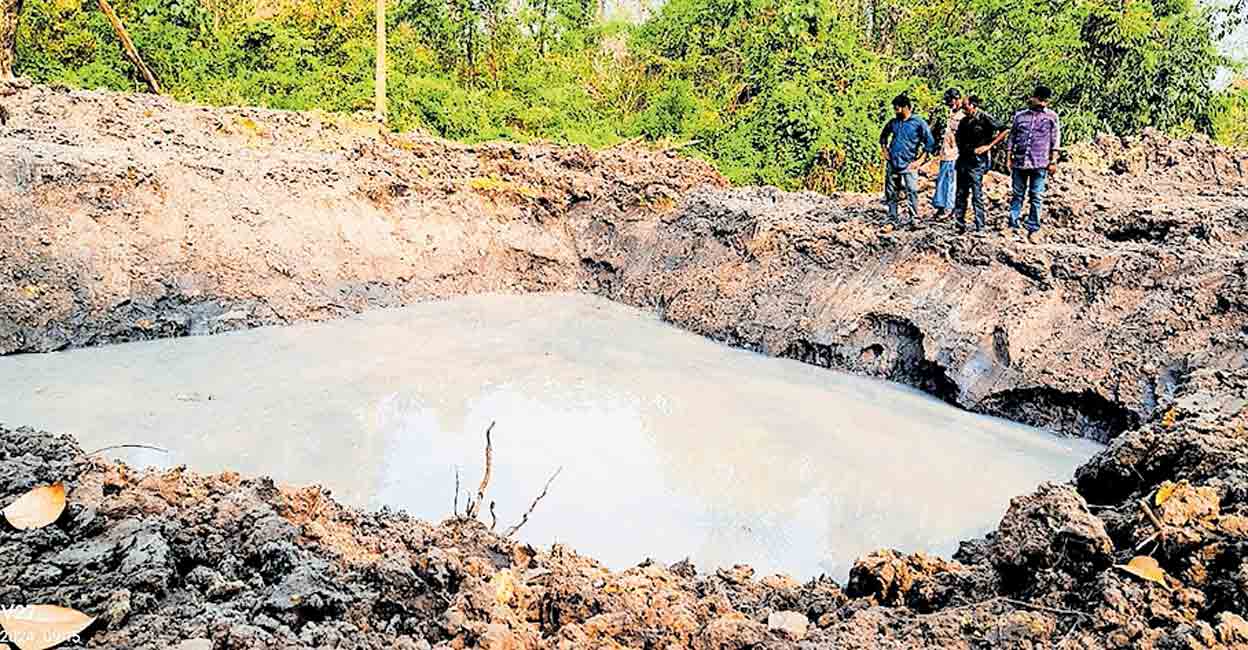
{"x":970,"y":184}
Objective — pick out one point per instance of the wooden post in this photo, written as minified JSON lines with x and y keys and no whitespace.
{"x":127,"y":46}
{"x":381,"y":61}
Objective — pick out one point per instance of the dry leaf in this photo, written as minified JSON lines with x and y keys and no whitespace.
{"x":35,"y":627}
{"x":1142,"y":566}
{"x":1164,"y":492}
{"x":37,"y":508}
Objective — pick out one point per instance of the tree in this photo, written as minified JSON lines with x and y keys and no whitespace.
{"x":10,"y":10}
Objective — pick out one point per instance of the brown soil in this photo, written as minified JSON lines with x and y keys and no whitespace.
{"x":126,"y":217}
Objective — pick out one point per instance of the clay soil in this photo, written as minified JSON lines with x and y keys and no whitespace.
{"x":127,"y":217}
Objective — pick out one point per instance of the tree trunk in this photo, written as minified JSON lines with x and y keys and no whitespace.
{"x":8,"y":36}
{"x":380,"y":98}
{"x":127,"y":46}
{"x":541,"y":32}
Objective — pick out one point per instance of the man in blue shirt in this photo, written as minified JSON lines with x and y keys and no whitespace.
{"x":904,"y":142}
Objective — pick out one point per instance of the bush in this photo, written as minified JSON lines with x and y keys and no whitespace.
{"x":786,"y":92}
{"x":1230,"y":117}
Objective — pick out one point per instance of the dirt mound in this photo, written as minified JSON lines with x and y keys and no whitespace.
{"x":128,"y":217}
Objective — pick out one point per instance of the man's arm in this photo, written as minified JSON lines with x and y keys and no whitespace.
{"x":1055,"y":143}
{"x":1009,"y":143}
{"x":884,"y":135}
{"x":1001,"y":133}
{"x":929,"y":144}
{"x":932,"y":145}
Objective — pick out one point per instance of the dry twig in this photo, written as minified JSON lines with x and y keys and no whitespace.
{"x":682,"y":145}
{"x":111,"y":447}
{"x":1053,"y":610}
{"x":1146,"y":540}
{"x":474,"y":506}
{"x":525,"y":519}
{"x":1152,"y":517}
{"x":1016,"y":603}
{"x":493,"y":517}
{"x":1066,"y":637}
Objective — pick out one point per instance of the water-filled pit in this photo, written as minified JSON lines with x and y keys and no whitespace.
{"x":671,"y":445}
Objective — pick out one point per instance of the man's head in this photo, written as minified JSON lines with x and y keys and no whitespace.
{"x":953,"y":98}
{"x":901,"y":107}
{"x":971,"y":105}
{"x":1040,"y":97}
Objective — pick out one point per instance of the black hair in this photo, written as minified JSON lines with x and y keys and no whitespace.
{"x":952,"y":93}
{"x":1042,"y":93}
{"x":901,"y":101}
{"x":973,"y":99}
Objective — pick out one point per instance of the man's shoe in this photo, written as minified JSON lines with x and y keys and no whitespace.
{"x":1035,"y":237}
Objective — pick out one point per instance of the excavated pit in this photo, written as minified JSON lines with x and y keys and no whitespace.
{"x":727,"y":456}
{"x":126,"y":218}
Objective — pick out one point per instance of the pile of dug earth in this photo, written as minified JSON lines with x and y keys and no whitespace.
{"x":128,"y":217}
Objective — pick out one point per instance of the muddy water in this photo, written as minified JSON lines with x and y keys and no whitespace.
{"x":671,"y":445}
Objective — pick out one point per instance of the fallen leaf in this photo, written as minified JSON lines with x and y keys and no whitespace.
{"x":1164,"y":492}
{"x":37,"y":508}
{"x":1142,"y":566}
{"x":35,"y":627}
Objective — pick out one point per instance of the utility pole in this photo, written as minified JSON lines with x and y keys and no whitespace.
{"x":381,"y":61}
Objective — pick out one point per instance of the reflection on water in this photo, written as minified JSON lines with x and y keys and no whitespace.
{"x":671,"y":445}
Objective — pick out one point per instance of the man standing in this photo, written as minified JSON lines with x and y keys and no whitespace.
{"x":942,"y":198}
{"x":1035,"y":135}
{"x":903,"y":141}
{"x":976,"y":136}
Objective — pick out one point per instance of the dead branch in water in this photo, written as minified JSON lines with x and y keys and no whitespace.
{"x":455,"y":504}
{"x":525,"y":519}
{"x":474,"y":506}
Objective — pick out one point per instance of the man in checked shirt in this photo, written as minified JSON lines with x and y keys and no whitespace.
{"x":1035,"y":135}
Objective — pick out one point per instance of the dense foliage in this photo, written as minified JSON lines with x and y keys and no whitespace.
{"x":788,"y":92}
{"x":1230,"y":116}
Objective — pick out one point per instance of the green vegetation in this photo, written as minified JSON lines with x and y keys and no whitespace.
{"x":1230,"y":116}
{"x":787,"y":92}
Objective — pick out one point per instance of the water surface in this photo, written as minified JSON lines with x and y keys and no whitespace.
{"x":671,"y":445}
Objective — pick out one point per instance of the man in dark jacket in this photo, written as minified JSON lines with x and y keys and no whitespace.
{"x":904,"y":142}
{"x":977,"y":134}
